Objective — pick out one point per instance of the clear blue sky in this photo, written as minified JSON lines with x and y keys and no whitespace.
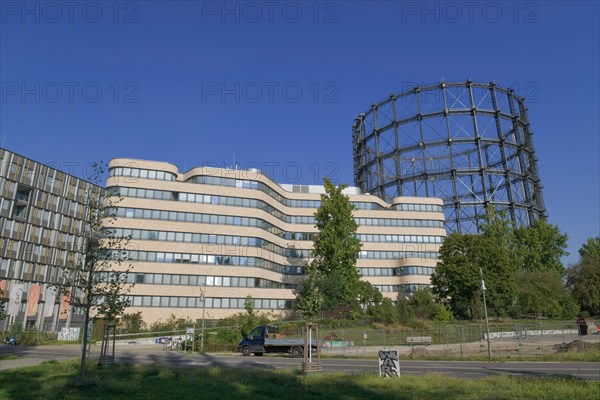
{"x":177,"y":81}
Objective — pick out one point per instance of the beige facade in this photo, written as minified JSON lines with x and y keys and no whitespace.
{"x":226,"y":234}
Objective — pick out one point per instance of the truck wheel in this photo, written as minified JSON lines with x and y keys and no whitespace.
{"x":297,"y":352}
{"x":246,"y":351}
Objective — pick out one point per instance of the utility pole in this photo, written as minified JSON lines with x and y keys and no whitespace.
{"x":203,"y":299}
{"x":487,"y":322}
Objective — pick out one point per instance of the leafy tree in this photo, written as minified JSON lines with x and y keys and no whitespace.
{"x":173,"y":323}
{"x":542,"y":245}
{"x":368,"y":295}
{"x":584,"y":277}
{"x":3,"y":304}
{"x":405,"y":311}
{"x":423,"y":304}
{"x":498,"y":227}
{"x":456,"y":280}
{"x":385,"y":312}
{"x":590,"y":248}
{"x":335,"y":250}
{"x":97,"y":282}
{"x":133,"y":323}
{"x":540,"y":293}
{"x":310,"y":299}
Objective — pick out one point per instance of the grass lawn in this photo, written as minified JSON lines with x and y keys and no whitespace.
{"x":54,"y":380}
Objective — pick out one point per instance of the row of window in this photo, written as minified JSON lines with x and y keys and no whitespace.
{"x":400,"y":271}
{"x":259,"y":204}
{"x":400,"y":238}
{"x":396,"y":255}
{"x":199,"y":280}
{"x":221,"y":181}
{"x":142,"y":173}
{"x":213,"y":219}
{"x":187,"y":258}
{"x":42,"y":177}
{"x":209,"y":302}
{"x":418,"y":207}
{"x":24,"y":197}
{"x":413,"y":223}
{"x":412,"y":288}
{"x":376,"y":271}
{"x":246,"y":184}
{"x":231,"y":182}
{"x":48,"y":269}
{"x":387,"y":288}
{"x":406,"y":289}
{"x":209,"y":199}
{"x":204,"y":238}
{"x":58,"y":221}
{"x":46,"y":254}
{"x":412,"y":270}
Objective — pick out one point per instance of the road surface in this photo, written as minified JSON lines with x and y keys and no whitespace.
{"x":153,"y":354}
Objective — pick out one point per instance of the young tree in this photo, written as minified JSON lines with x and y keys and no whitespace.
{"x":335,"y":250}
{"x":310,"y":299}
{"x":97,"y":283}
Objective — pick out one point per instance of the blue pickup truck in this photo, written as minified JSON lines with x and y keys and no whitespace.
{"x":267,"y":339}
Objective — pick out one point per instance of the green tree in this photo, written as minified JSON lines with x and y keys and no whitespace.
{"x":423,"y":304}
{"x":540,"y":293}
{"x":542,"y":245}
{"x":335,"y":250}
{"x":591,"y":247}
{"x":310,"y":299}
{"x":456,"y":280}
{"x":386,"y":312}
{"x":97,"y":282}
{"x":405,"y":311}
{"x":498,"y":227}
{"x":133,"y":323}
{"x":584,"y":277}
{"x":3,"y":304}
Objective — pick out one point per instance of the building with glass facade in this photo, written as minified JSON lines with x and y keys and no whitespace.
{"x":201,"y":240}
{"x":209,"y":237}
{"x":42,"y":225}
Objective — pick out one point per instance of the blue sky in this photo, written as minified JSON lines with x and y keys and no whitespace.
{"x":278,"y":84}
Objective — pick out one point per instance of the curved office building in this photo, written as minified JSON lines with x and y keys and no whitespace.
{"x":220,"y":235}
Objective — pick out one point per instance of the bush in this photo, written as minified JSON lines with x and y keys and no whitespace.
{"x":442,"y":314}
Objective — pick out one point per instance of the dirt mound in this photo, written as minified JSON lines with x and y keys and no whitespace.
{"x":575,"y":345}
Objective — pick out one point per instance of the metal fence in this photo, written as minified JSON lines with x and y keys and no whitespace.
{"x":507,"y":340}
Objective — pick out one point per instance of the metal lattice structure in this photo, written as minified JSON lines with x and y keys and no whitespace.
{"x":465,"y":142}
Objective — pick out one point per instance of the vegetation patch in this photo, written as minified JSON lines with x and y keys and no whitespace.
{"x":59,"y":381}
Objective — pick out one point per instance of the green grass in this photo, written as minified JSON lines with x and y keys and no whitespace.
{"x":8,"y":357}
{"x":53,"y":380}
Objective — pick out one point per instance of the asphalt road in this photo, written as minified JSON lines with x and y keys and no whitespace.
{"x":152,"y":354}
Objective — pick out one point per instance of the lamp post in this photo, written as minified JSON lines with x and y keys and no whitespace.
{"x":487,"y":322}
{"x":203,"y":299}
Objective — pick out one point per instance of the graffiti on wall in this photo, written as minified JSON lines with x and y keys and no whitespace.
{"x":389,"y":363}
